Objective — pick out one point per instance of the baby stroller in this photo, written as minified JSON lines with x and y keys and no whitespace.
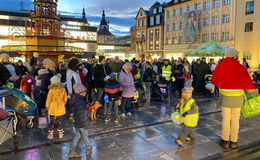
{"x":211,"y":90}
{"x":19,"y":105}
{"x":161,"y":89}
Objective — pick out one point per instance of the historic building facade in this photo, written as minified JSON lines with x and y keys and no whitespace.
{"x":190,"y":23}
{"x":149,"y":30}
{"x":247,"y":35}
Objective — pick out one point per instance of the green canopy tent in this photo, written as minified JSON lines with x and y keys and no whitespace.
{"x":209,"y":49}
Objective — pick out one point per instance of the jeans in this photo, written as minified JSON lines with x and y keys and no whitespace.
{"x":148,"y":91}
{"x":126,"y":105}
{"x":186,"y":132}
{"x":115,"y":105}
{"x":99,"y":95}
{"x":81,"y":132}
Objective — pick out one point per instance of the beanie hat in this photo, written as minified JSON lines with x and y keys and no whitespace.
{"x":100,"y":58}
{"x":127,"y":66}
{"x":51,"y":65}
{"x":113,"y":76}
{"x":45,"y":61}
{"x":231,"y":52}
{"x":36,"y":54}
{"x":79,"y":88}
{"x":5,"y":55}
{"x":56,"y":79}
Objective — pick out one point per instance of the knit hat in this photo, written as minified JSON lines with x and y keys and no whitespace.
{"x":127,"y":66}
{"x":56,"y":79}
{"x":36,"y":54}
{"x":100,"y":58}
{"x":5,"y":55}
{"x":50,"y":65}
{"x":45,"y":61}
{"x":42,"y":72}
{"x":79,"y":88}
{"x":188,"y":89}
{"x":113,"y":75}
{"x":231,"y":52}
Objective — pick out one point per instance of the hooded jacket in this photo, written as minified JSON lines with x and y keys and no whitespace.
{"x":56,"y":100}
{"x":230,"y":74}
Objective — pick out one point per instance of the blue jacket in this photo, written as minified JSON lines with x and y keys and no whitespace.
{"x":79,"y":108}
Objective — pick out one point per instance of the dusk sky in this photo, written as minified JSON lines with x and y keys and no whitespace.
{"x":120,"y":13}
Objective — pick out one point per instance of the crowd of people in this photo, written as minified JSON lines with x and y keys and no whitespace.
{"x":68,"y":87}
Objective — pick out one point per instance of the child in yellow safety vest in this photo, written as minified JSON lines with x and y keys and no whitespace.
{"x":188,"y":114}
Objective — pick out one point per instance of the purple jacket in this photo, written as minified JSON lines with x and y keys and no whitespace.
{"x":127,"y":81}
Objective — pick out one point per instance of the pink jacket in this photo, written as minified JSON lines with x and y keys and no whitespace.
{"x":127,"y":81}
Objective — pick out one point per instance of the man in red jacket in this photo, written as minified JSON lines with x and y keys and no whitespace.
{"x":232,"y":79}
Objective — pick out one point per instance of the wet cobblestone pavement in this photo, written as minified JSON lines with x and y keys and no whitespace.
{"x":148,"y":134}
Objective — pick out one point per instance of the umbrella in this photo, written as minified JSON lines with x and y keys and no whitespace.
{"x":211,"y":48}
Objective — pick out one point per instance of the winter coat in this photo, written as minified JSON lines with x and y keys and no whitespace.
{"x":78,"y":106}
{"x":100,"y":72}
{"x":33,"y":61}
{"x":113,"y":89}
{"x":148,"y":74}
{"x":116,"y":67}
{"x":72,"y":78}
{"x":56,"y":100}
{"x":46,"y":80}
{"x":20,"y":70}
{"x":127,"y":81}
{"x":229,"y":74}
{"x":204,"y":69}
{"x":5,"y":75}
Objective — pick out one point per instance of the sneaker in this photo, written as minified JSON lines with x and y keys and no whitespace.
{"x":224,"y":144}
{"x":123,"y":115}
{"x":74,"y":154}
{"x":50,"y":135}
{"x":107,"y":120}
{"x":60,"y":134}
{"x":129,"y":114}
{"x":179,"y":142}
{"x":116,"y":121}
{"x":233,"y":145}
{"x":89,"y":151}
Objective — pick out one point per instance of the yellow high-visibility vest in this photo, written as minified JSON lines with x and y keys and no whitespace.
{"x":137,"y":76}
{"x":190,"y":120}
{"x":166,"y":71}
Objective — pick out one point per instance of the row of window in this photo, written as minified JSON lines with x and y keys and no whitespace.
{"x":205,"y":38}
{"x":156,"y":19}
{"x":197,"y":6}
{"x":206,"y":22}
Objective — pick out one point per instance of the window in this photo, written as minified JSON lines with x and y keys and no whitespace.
{"x":215,"y":20}
{"x":176,"y":13}
{"x":180,"y":25}
{"x":225,"y":36}
{"x":169,"y":41}
{"x":205,"y":37}
{"x":249,"y":27}
{"x":250,"y":7}
{"x":158,"y":19}
{"x":151,"y":21}
{"x":207,"y":5}
{"x":226,"y":18}
{"x":154,"y":10}
{"x":182,"y":11}
{"x":189,"y":8}
{"x":197,"y":6}
{"x":151,"y":34}
{"x":226,"y":2}
{"x":151,"y":45}
{"x":169,"y":14}
{"x":206,"y":21}
{"x":169,"y":27}
{"x":157,"y":45}
{"x":216,"y":4}
{"x":175,"y":27}
{"x":215,"y":36}
{"x":143,"y":23}
{"x":157,"y":33}
{"x":160,"y":9}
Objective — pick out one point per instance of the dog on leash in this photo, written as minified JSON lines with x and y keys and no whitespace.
{"x":92,"y":109}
